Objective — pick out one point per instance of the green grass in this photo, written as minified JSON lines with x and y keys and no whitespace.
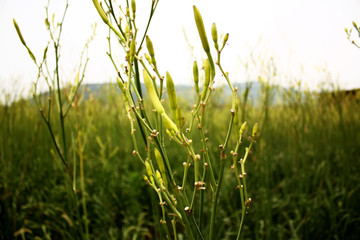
{"x":303,"y":173}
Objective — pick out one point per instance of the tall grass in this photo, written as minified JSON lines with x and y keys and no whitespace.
{"x":302,"y":174}
{"x":304,"y":178}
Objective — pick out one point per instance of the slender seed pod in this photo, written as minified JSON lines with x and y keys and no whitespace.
{"x":45,"y":53}
{"x":22,"y":40}
{"x":171,"y":91}
{"x":160,"y":163}
{"x":196,"y":77}
{"x":201,"y":29}
{"x":169,"y":124}
{"x":207,"y":79}
{"x":255,"y":129}
{"x":152,"y":93}
{"x":214,"y":36}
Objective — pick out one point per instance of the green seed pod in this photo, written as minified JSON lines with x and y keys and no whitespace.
{"x":158,"y":176}
{"x":207,"y":79}
{"x":226,"y":38}
{"x":23,"y":41}
{"x":179,"y":118}
{"x":120,"y":84}
{"x":127,"y":12}
{"x":214,"y":36}
{"x":133,"y":6}
{"x":148,"y":58}
{"x":255,"y":129}
{"x":148,"y":168}
{"x":242,"y":129}
{"x":127,"y":31}
{"x":101,"y":12}
{"x":201,"y":29}
{"x":152,"y":93}
{"x":160,"y":163}
{"x":103,"y":16}
{"x":47,"y":23}
{"x":169,"y":124}
{"x":45,"y":53}
{"x":19,"y":32}
{"x":171,"y":91}
{"x":132,"y":50}
{"x":196,"y":76}
{"x":150,"y":47}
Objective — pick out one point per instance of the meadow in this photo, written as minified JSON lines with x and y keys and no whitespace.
{"x":142,"y":160}
{"x":303,"y":171}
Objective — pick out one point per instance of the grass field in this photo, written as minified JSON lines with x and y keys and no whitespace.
{"x":143,"y":161}
{"x":303,"y":173}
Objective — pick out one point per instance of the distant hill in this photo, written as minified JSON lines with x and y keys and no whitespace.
{"x":188,"y":92}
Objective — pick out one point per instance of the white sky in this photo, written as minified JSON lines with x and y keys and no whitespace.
{"x":304,"y":37}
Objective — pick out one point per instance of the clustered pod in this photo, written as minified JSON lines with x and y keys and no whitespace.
{"x":169,"y":124}
{"x":161,"y":165}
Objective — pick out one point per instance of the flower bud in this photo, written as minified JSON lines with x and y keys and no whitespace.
{"x":242,"y":129}
{"x":132,"y":50}
{"x":133,"y":7}
{"x":214,"y":36}
{"x":158,"y":176}
{"x":255,"y":129}
{"x":201,"y":29}
{"x":148,"y":58}
{"x":225,"y":40}
{"x":196,"y":76}
{"x":171,"y":91}
{"x":207,"y":79}
{"x":148,"y":168}
{"x":150,"y":47}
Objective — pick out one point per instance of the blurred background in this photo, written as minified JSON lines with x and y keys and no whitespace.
{"x":297,"y":75}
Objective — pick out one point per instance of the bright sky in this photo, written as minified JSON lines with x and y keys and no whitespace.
{"x":306,"y":38}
